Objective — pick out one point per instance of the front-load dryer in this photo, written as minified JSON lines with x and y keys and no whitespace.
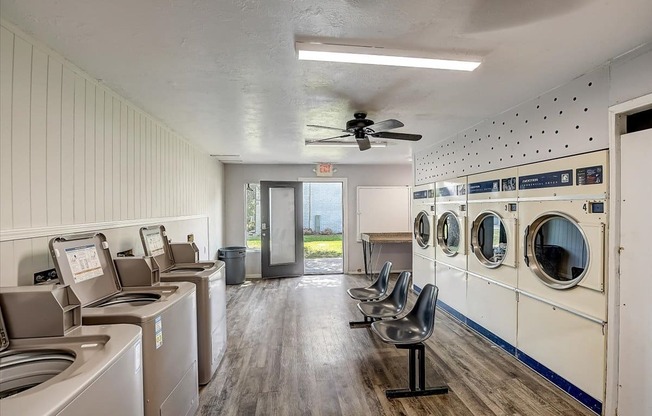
{"x":451,"y":248}
{"x":423,"y":236}
{"x":165,"y":313}
{"x":423,"y":211}
{"x":563,"y":223}
{"x":493,"y":218}
{"x":493,"y":253}
{"x":562,"y":310}
{"x":179,"y":262}
{"x":50,"y":365}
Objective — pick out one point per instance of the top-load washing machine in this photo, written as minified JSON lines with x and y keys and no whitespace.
{"x":493,"y":254}
{"x":423,"y":242}
{"x":166,"y":315}
{"x":180,"y":262}
{"x":51,"y":365}
{"x":451,"y":249}
{"x":562,"y":308}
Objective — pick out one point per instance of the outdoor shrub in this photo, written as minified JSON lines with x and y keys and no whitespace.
{"x":326,"y":231}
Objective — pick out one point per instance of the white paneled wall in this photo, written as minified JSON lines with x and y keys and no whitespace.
{"x":74,"y":152}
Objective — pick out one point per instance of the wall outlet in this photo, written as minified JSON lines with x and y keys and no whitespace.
{"x":126,"y":253}
{"x":191,"y":238}
{"x":45,"y":276}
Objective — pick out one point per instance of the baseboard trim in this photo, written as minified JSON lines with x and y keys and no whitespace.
{"x":28,"y":233}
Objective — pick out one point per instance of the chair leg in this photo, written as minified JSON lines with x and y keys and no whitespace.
{"x":412,"y":391}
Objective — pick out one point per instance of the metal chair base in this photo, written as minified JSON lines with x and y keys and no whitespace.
{"x":400,"y":393}
{"x":361,"y":324}
{"x":413,"y":390}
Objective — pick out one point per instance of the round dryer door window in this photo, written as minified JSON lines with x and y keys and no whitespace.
{"x":448,"y":233}
{"x":422,"y":229}
{"x":489,"y":239}
{"x":557,"y":250}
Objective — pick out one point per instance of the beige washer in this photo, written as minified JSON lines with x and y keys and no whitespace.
{"x":180,"y":262}
{"x":51,"y":365}
{"x":166,"y":315}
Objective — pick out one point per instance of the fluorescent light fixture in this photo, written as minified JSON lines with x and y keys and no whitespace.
{"x":343,"y":144}
{"x":380,"y":56}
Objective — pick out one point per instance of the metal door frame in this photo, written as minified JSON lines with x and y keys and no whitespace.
{"x":287,"y":269}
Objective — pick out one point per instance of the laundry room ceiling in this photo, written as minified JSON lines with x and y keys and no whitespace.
{"x":224,"y":74}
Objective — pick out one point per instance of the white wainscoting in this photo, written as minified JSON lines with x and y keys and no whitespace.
{"x":75,"y":154}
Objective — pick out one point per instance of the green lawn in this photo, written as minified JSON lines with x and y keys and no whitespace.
{"x":315,"y":246}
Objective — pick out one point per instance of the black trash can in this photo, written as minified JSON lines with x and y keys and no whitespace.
{"x":234,"y":259}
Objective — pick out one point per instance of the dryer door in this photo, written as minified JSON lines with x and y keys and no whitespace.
{"x":450,"y":233}
{"x":489,"y":239}
{"x":422,"y":232}
{"x":557,"y":250}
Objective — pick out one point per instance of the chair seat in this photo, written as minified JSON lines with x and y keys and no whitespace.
{"x":402,"y":331}
{"x":364,"y":293}
{"x":379,"y":309}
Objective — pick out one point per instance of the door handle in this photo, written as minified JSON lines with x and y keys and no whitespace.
{"x":525,"y":236}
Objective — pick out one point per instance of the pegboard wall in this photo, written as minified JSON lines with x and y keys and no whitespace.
{"x":568,"y":120}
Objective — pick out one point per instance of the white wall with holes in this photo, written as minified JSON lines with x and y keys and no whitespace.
{"x":568,"y":120}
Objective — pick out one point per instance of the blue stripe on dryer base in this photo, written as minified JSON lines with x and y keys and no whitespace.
{"x":579,"y":394}
{"x":451,"y":311}
{"x":574,"y":391}
{"x":416,"y":289}
{"x":491,"y":336}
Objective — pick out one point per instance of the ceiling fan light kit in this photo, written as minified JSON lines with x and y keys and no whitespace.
{"x":343,"y":144}
{"x":379,"y":56}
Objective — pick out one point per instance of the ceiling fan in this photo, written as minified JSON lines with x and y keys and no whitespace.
{"x":362,"y":129}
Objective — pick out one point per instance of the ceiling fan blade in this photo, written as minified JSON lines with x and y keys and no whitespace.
{"x":397,"y":136}
{"x":363,"y":143}
{"x":325,"y":127}
{"x":329,"y":138}
{"x":386,"y":125}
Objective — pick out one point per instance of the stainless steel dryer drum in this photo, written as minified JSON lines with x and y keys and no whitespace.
{"x":209,"y":278}
{"x":451,"y":248}
{"x":84,"y":370}
{"x":166,"y":314}
{"x":424,"y":239}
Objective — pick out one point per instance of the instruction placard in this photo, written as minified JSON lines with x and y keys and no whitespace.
{"x":158,"y":331}
{"x":155,"y":244}
{"x":84,"y":263}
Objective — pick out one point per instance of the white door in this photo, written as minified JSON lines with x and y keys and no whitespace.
{"x":635,"y":350}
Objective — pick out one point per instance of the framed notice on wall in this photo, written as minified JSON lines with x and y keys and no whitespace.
{"x":383,"y":209}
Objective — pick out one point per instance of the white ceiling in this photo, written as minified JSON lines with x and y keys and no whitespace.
{"x":224,"y":73}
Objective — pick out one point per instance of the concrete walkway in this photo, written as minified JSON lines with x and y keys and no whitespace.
{"x":323,"y":266}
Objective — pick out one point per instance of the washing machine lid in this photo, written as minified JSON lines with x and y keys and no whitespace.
{"x":84,"y":262}
{"x":4,"y":337}
{"x":156,"y":244}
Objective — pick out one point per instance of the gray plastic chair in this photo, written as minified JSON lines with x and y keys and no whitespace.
{"x":393,"y":304}
{"x":377,"y":290}
{"x":409,"y":333}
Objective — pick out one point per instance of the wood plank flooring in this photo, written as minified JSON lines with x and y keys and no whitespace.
{"x":291,"y":352}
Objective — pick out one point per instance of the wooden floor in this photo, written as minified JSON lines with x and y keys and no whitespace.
{"x":291,"y":352}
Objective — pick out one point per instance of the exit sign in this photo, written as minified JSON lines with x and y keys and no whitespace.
{"x":324,"y":169}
